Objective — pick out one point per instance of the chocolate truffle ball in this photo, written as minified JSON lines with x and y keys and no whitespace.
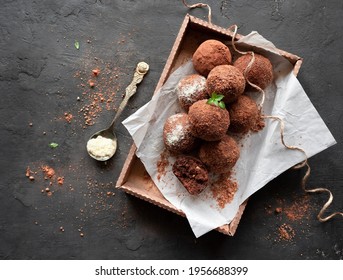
{"x":177,"y":135}
{"x":210,"y":54}
{"x":192,"y":174}
{"x":208,"y":122}
{"x":219,"y":156}
{"x":226,"y":80}
{"x":244,"y":114}
{"x":261,"y":71}
{"x":190,"y":89}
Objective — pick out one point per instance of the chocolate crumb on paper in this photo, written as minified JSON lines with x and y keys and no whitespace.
{"x":224,"y":190}
{"x":162,"y":164}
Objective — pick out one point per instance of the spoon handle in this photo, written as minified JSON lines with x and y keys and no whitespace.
{"x":141,"y":69}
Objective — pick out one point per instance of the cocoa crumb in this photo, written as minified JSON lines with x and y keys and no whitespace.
{"x":224,"y":189}
{"x":299,"y":209}
{"x":278,"y":210}
{"x":48,"y":171}
{"x":286,"y":232}
{"x":96,"y":72}
{"x":68,"y":117}
{"x":28,"y":172}
{"x":60,"y":180}
{"x":260,"y":124}
{"x":91,"y":83}
{"x":162,"y":164}
{"x":107,"y":86}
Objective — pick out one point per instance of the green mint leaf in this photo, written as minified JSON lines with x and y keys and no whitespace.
{"x":216,"y":100}
{"x":53,"y":145}
{"x":222,"y":104}
{"x":77,"y":45}
{"x":219,"y":97}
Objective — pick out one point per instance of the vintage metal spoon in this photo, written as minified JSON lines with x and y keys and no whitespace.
{"x":102,"y":145}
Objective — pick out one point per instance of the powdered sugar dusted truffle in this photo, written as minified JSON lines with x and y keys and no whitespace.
{"x":190,"y":89}
{"x":210,"y":54}
{"x":177,"y":135}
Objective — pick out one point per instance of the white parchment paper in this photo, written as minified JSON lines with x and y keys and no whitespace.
{"x":262,"y":157}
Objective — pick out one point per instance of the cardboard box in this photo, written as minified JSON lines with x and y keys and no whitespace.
{"x":133,"y":178}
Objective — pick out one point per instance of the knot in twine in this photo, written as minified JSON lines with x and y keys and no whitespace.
{"x":234,"y":29}
{"x":200,"y":5}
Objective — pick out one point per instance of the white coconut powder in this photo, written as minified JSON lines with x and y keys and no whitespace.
{"x":188,"y":91}
{"x":101,"y":148}
{"x":176,"y":135}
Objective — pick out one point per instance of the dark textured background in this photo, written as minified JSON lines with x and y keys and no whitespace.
{"x":40,"y":80}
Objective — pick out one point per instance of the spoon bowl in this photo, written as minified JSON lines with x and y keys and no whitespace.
{"x":102,"y":145}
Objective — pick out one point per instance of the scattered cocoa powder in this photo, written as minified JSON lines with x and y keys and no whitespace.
{"x":91,"y":83}
{"x":48,"y":171}
{"x":68,"y":117}
{"x":260,"y":124}
{"x":224,"y":189}
{"x":299,"y":209}
{"x":60,"y":180}
{"x":296,"y":210}
{"x":28,"y":172}
{"x":162,"y":164}
{"x":286,"y":232}
{"x":96,"y":72}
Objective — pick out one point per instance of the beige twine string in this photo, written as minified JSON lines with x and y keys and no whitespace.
{"x":200,"y":5}
{"x":282,"y":128}
{"x":307,"y":174}
{"x":247,"y":69}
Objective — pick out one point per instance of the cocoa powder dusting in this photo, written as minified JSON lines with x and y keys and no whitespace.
{"x":299,"y":209}
{"x":296,"y":210}
{"x":99,"y":87}
{"x":68,"y":117}
{"x":60,"y":180}
{"x":162,"y":164}
{"x":28,"y":172}
{"x":48,"y":171}
{"x":286,"y":232}
{"x":260,"y":124}
{"x":98,"y":91}
{"x":224,"y":189}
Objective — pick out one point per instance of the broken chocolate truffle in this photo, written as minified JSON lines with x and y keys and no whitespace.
{"x":192,"y":174}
